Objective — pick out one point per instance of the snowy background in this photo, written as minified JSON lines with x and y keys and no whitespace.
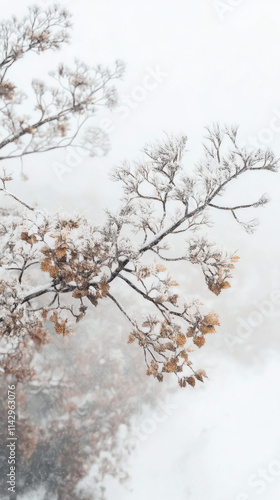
{"x":205,"y":61}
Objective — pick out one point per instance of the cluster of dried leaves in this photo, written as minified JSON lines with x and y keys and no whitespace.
{"x":84,"y":263}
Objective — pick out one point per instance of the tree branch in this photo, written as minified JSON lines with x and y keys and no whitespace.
{"x":120,"y":308}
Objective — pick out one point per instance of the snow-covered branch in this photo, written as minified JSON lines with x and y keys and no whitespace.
{"x":83,"y":261}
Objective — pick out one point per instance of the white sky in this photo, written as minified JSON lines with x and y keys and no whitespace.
{"x":217,"y":70}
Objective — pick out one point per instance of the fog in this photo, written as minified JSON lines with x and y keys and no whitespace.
{"x":206,"y":61}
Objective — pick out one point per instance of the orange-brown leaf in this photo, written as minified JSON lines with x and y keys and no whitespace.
{"x":199,"y":341}
{"x":190,"y":381}
{"x":181,"y":339}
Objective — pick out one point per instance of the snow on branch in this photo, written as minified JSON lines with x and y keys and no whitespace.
{"x":55,"y":266}
{"x":59,"y":108}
